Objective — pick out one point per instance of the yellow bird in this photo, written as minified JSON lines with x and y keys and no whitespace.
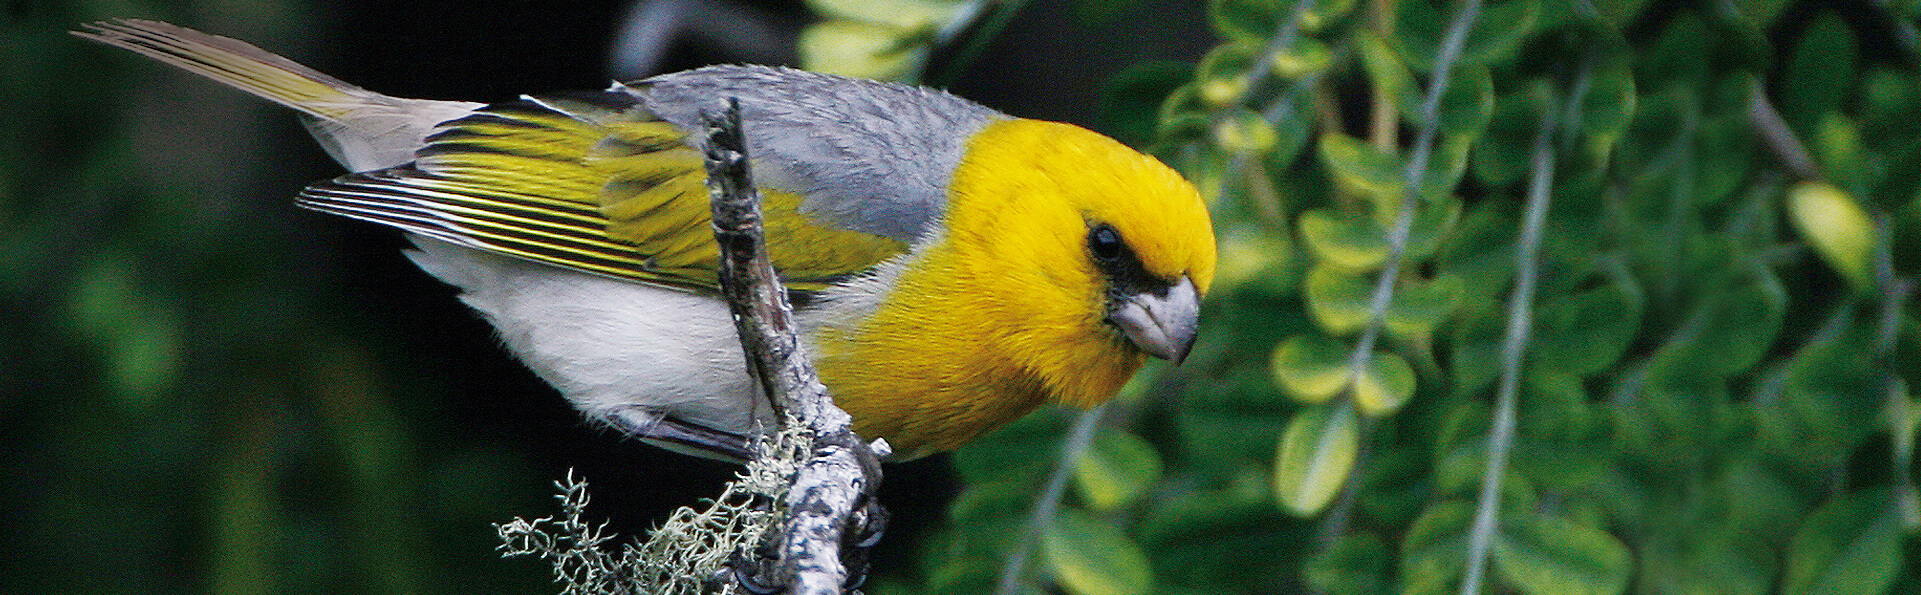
{"x":953,"y":267}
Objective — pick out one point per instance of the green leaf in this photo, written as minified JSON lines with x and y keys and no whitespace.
{"x":899,"y":13}
{"x":1619,"y":13}
{"x":142,"y":342}
{"x":1251,"y":256}
{"x":1384,"y":385}
{"x":1433,"y":549}
{"x":1465,"y":107}
{"x":992,"y":502}
{"x":1445,"y":167}
{"x":1129,"y":102}
{"x":1836,"y":226}
{"x":1584,"y":333}
{"x":1203,"y":540}
{"x":1891,"y":97}
{"x":1245,"y":21}
{"x":1723,"y":149}
{"x":1474,"y":354}
{"x":1706,"y":560}
{"x":1321,"y":13}
{"x":858,"y":49}
{"x":1394,"y":481}
{"x":1092,"y":557}
{"x":1849,"y":546}
{"x":1361,"y":166}
{"x":1419,"y":306}
{"x":1607,"y":108}
{"x":1762,"y":505}
{"x":1291,"y":134}
{"x":1254,"y":21}
{"x":1222,"y":75}
{"x":1677,"y":59}
{"x":1479,"y":249}
{"x":1243,"y":132}
{"x":1557,"y":467}
{"x":1735,"y":330}
{"x":1307,"y":56}
{"x":1205,"y":166}
{"x":1555,"y":407}
{"x":1420,"y":26}
{"x":1387,"y":74}
{"x":1338,"y":300}
{"x":1434,"y":221}
{"x":1842,"y":154}
{"x":1380,"y":175}
{"x":1355,"y":564}
{"x":1016,"y":452}
{"x":1093,"y":13}
{"x":1820,"y":73}
{"x":1115,"y":470}
{"x":1312,"y":368}
{"x":1351,"y":242}
{"x":1545,"y":555}
{"x":1759,"y":13}
{"x":1317,"y":452}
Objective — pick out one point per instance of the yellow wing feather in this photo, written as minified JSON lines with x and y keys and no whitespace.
{"x":603,"y":188}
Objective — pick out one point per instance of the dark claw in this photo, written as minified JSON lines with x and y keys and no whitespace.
{"x":873,"y":525}
{"x":749,"y":573}
{"x":865,"y":530}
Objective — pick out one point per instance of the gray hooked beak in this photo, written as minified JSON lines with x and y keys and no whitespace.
{"x":1161,"y":325}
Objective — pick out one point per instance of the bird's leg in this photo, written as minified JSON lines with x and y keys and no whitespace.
{"x":683,"y":437}
{"x":757,"y":572}
{"x":864,"y":530}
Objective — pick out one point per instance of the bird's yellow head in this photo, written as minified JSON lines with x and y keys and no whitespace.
{"x":1095,"y":254}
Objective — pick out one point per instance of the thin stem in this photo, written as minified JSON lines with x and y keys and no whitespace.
{"x":1777,"y":136}
{"x":990,"y":16}
{"x":1415,"y":176}
{"x":1520,"y":322}
{"x":1048,"y":503}
{"x":1386,"y":120}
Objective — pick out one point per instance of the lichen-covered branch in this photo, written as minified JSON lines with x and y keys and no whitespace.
{"x":831,"y":498}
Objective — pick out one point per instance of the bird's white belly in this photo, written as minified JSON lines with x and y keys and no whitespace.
{"x":616,"y":349}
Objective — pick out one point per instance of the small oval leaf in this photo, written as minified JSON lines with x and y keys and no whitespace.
{"x":1338,"y":300}
{"x":1361,"y":166}
{"x":1351,"y":242}
{"x":1384,"y":385}
{"x":1849,"y":546}
{"x":1545,"y":555}
{"x":1311,"y":368}
{"x":1836,"y":226}
{"x":1115,"y":470}
{"x":1091,"y":557}
{"x":1316,"y":454}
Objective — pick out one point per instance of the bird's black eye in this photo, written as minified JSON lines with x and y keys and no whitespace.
{"x":1105,"y":242}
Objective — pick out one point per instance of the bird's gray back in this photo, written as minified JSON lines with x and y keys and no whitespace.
{"x":869,"y":156}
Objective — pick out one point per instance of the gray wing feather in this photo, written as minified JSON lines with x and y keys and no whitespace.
{"x":870,"y":156}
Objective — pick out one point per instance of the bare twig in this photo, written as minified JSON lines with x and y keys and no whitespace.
{"x":1415,"y":174}
{"x":1514,"y":345}
{"x":1048,"y":503}
{"x":831,"y":498}
{"x":1777,"y":136}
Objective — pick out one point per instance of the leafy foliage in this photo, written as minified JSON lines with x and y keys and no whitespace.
{"x":1702,"y":388}
{"x":1710,"y":394}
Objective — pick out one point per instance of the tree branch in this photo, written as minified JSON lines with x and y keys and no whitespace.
{"x":831,"y":498}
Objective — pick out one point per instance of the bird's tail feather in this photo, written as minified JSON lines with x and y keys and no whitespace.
{"x":362,"y":129}
{"x":236,"y":64}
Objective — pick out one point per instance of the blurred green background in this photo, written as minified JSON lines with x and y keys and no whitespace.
{"x":1714,"y":206}
{"x":205,"y":389}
